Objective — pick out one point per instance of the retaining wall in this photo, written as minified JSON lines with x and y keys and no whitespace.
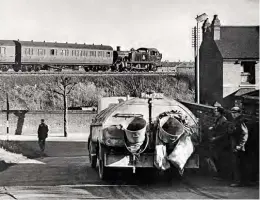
{"x":26,"y":122}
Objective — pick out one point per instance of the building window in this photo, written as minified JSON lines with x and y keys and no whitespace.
{"x":249,"y":70}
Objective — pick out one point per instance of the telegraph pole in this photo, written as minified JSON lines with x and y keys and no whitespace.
{"x":199,"y":18}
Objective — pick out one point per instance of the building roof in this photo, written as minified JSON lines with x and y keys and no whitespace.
{"x":65,"y":45}
{"x":239,"y":42}
{"x":244,"y":91}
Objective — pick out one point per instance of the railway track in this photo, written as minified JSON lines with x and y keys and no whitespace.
{"x":82,"y":73}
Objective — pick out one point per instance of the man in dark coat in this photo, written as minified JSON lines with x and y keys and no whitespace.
{"x":218,"y":140}
{"x":238,"y":139}
{"x":42,"y":135}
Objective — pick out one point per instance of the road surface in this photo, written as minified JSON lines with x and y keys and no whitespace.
{"x":65,"y":173}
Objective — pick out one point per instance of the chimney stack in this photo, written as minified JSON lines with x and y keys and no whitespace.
{"x":215,"y":26}
{"x":206,"y":28}
{"x":118,"y":48}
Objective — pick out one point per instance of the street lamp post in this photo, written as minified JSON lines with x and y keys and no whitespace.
{"x":199,"y":18}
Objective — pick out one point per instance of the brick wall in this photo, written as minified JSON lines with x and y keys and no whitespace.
{"x":205,"y":115}
{"x":26,"y":123}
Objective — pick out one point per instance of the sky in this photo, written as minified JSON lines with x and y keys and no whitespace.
{"x":162,"y":24}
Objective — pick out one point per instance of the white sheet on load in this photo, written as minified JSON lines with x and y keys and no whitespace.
{"x":160,"y":160}
{"x":181,"y":153}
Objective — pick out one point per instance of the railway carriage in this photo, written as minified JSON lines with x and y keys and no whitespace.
{"x":46,"y":55}
{"x":7,"y":54}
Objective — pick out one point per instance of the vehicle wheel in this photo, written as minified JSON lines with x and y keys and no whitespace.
{"x":24,"y":68}
{"x":16,"y":68}
{"x":5,"y":68}
{"x":86,"y":69}
{"x":92,"y":159}
{"x":102,"y":170}
{"x":29,"y":68}
{"x":36,"y":68}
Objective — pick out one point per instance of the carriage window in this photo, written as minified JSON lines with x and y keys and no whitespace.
{"x":99,"y":53}
{"x":86,"y":53}
{"x":62,"y":52}
{"x":108,"y":54}
{"x":41,"y":52}
{"x":31,"y":51}
{"x":52,"y":52}
{"x":92,"y":53}
{"x":2,"y":50}
{"x":81,"y":53}
{"x":77,"y":53}
{"x":27,"y":51}
{"x":66,"y":52}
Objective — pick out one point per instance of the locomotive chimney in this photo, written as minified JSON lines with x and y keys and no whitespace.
{"x":118,"y":48}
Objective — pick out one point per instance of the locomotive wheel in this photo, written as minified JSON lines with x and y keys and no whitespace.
{"x":120,"y":68}
{"x":153,"y":68}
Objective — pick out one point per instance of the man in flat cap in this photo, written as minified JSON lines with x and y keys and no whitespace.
{"x":238,"y":136}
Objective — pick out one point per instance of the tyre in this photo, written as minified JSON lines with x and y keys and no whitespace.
{"x":103,"y":171}
{"x":92,"y":158}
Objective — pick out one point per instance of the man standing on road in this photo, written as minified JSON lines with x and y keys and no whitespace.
{"x":239,"y":136}
{"x":218,"y":139}
{"x":42,"y":135}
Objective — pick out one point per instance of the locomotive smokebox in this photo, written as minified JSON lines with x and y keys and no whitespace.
{"x":118,"y":48}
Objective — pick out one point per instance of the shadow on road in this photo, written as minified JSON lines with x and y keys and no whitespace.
{"x":31,"y":149}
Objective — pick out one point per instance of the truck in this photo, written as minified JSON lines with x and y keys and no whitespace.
{"x":130,"y":134}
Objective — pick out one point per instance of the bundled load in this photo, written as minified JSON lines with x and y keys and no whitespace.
{"x":174,"y":143}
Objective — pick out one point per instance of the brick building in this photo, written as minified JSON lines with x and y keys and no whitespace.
{"x":229,"y":62}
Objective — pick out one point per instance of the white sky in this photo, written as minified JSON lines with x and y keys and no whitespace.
{"x":163,"y":24}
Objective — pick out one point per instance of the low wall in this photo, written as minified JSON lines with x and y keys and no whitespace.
{"x":26,"y":122}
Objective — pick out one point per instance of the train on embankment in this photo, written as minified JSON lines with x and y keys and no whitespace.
{"x":28,"y":56}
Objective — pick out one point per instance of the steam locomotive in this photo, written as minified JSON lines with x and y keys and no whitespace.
{"x":27,"y":56}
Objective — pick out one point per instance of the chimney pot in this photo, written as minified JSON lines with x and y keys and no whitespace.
{"x":215,"y":26}
{"x":118,"y":48}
